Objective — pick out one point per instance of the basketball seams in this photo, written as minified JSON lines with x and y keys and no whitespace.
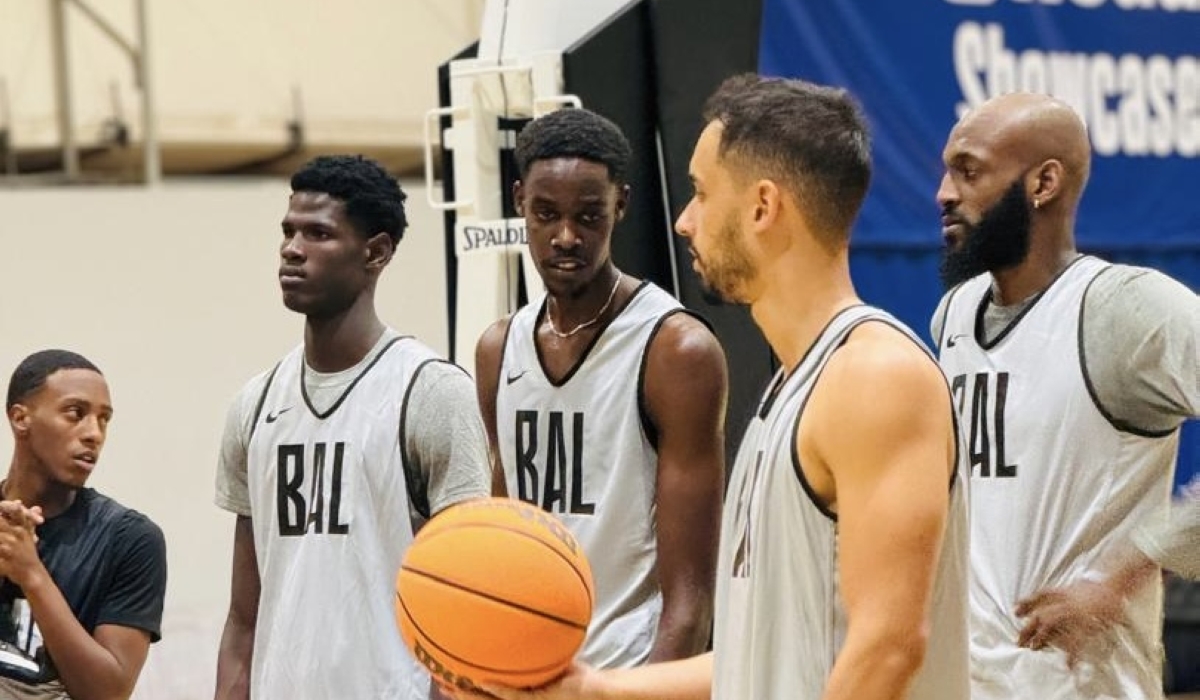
{"x":489,"y":556}
{"x":587,"y":585}
{"x":496,"y":599}
{"x":426,"y":638}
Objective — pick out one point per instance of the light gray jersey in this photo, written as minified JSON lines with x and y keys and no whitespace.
{"x":1173,"y":542}
{"x":332,"y":517}
{"x":580,"y":448}
{"x":780,"y":621}
{"x":1055,"y":487}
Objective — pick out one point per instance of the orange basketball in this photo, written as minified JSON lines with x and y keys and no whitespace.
{"x":494,"y":591}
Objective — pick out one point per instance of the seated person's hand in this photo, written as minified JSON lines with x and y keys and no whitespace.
{"x":16,"y":514}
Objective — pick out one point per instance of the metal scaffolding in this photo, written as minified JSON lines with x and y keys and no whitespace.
{"x":139,"y":56}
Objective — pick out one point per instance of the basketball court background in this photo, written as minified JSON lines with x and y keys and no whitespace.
{"x":1130,"y":67}
{"x":171,"y":288}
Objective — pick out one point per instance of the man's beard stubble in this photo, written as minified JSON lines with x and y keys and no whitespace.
{"x":724,"y":273}
{"x":998,"y":242}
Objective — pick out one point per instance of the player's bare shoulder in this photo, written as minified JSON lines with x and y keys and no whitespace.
{"x":880,"y":383}
{"x":879,"y":391}
{"x":493,"y":337}
{"x":683,"y":337}
{"x":880,"y":358}
{"x":490,"y":346}
{"x":685,"y":366}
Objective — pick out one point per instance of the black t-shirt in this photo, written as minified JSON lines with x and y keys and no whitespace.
{"x":110,"y":563}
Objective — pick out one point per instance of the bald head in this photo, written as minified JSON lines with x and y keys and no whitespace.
{"x":1016,"y":167}
{"x":1032,"y":129}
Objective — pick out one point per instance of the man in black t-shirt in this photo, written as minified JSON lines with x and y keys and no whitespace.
{"x":83,"y":577}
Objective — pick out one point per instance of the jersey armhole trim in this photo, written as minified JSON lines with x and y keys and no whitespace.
{"x":508,"y":326}
{"x":1115,"y":422}
{"x":414,"y":482}
{"x":958,"y":439}
{"x":648,"y":428}
{"x":262,"y":399}
{"x":794,"y":440}
{"x":946,"y":314}
{"x":797,"y":467}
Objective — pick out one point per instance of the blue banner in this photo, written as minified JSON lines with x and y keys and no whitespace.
{"x":1130,"y":67}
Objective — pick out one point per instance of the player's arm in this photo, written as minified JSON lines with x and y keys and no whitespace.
{"x":237,"y":640}
{"x":489,"y":351}
{"x":685,"y":679}
{"x":443,"y":437}
{"x":1140,"y":334}
{"x":1072,"y":616}
{"x":1173,"y":544}
{"x":685,"y":394}
{"x":881,"y":426}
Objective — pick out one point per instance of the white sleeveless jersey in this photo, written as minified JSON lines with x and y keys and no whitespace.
{"x":580,"y":450}
{"x":780,"y":621}
{"x":331,"y":524}
{"x":1054,"y":487}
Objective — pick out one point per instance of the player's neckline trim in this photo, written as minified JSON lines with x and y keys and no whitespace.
{"x":353,"y":383}
{"x":1012,"y":325}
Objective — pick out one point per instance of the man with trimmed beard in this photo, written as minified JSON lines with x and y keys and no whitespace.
{"x":1071,"y":376}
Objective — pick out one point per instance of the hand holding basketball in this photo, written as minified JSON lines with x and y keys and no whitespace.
{"x":577,"y":684}
{"x":494,"y":592}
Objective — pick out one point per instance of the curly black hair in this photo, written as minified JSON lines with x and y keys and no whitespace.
{"x":812,"y":139}
{"x":31,"y":374}
{"x":373,"y":199}
{"x":574,"y":133}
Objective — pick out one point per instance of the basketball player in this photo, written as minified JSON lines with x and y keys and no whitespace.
{"x":605,"y":402}
{"x":81,"y":600}
{"x":842,"y":571}
{"x":1072,"y":377}
{"x":329,"y":458}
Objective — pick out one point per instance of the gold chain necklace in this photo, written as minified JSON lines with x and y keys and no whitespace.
{"x":550,"y":317}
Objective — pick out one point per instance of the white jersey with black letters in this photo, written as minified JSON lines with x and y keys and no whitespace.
{"x":579,"y":448}
{"x":332,"y":520}
{"x":1055,"y":488}
{"x":780,"y":621}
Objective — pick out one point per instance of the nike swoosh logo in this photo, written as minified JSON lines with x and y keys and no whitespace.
{"x":272,"y":417}
{"x":953,"y":340}
{"x":514,"y":377}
